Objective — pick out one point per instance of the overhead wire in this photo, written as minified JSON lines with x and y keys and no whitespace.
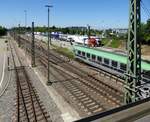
{"x":146,"y":10}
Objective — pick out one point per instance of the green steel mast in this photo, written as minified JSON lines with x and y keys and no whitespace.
{"x":134,"y":53}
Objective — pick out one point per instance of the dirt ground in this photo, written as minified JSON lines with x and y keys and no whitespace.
{"x":145,"y":50}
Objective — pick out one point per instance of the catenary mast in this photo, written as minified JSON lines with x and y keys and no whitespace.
{"x":134,"y":53}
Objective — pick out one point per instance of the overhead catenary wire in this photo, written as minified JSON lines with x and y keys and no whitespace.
{"x":146,"y":10}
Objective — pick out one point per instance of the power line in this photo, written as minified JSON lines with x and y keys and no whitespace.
{"x":146,"y":10}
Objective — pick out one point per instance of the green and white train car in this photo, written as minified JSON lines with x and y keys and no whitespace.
{"x":113,"y":63}
{"x":109,"y":61}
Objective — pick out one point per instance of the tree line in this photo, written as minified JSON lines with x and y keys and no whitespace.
{"x":65,"y":30}
{"x":145,"y":32}
{"x":3,"y":31}
{"x":69,"y":30}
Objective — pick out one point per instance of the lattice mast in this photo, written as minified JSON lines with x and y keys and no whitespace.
{"x":134,"y":53}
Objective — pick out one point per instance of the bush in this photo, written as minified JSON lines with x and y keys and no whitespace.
{"x":3,"y":31}
{"x":64,"y":51}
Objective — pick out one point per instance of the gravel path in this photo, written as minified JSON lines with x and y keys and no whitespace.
{"x":7,"y":102}
{"x":50,"y":106}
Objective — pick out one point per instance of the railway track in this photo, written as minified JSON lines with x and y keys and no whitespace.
{"x":7,"y":81}
{"x":85,"y":76}
{"x":29,"y":107}
{"x":40,"y":51}
{"x":90,"y":97}
{"x":84,"y":101}
{"x":65,"y":63}
{"x":91,"y":94}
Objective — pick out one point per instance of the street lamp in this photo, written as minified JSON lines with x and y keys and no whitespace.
{"x":49,"y":42}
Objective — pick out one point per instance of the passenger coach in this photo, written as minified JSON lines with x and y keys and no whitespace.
{"x":109,"y":61}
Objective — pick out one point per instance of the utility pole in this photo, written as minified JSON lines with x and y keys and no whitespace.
{"x":19,"y":37}
{"x":33,"y":47}
{"x":25,"y":12}
{"x":48,"y":48}
{"x":89,"y":31}
{"x":133,"y":75}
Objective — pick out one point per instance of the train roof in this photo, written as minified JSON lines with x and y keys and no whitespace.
{"x":109,"y":55}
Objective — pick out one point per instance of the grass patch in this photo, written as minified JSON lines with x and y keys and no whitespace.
{"x":105,"y":42}
{"x":64,"y":51}
{"x":115,"y":43}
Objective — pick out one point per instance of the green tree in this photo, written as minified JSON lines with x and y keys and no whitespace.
{"x":148,"y":26}
{"x":3,"y":31}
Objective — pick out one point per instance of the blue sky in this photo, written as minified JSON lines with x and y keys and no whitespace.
{"x":97,"y":13}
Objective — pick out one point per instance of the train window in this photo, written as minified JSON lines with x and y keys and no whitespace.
{"x":114,"y":63}
{"x":79,"y":52}
{"x":123,"y":66}
{"x":83,"y":53}
{"x":93,"y":57}
{"x":88,"y":55}
{"x":106,"y":61}
{"x":99,"y":59}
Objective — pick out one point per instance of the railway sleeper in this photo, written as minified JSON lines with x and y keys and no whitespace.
{"x":90,"y":104}
{"x":85,"y":99}
{"x":87,"y":102}
{"x":80,"y":94}
{"x":94,"y":107}
{"x":100,"y":90}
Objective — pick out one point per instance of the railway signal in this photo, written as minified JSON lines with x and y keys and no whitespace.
{"x":133,"y":75}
